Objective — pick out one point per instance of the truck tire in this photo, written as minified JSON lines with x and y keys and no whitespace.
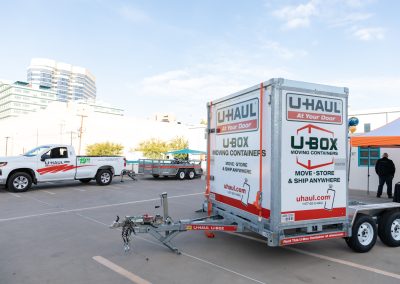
{"x":156,"y":176}
{"x":389,"y":229}
{"x":191,"y":174}
{"x":364,"y":234}
{"x":181,"y":174}
{"x":19,"y":182}
{"x":104,"y":177}
{"x":85,"y":180}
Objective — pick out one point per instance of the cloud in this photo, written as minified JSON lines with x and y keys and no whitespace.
{"x":187,"y":90}
{"x":369,"y":34}
{"x":350,"y":19}
{"x":282,"y":51}
{"x":333,"y":13}
{"x":296,"y":16}
{"x":133,"y":14}
{"x":371,"y":92}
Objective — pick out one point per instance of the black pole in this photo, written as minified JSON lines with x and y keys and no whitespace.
{"x":369,"y":159}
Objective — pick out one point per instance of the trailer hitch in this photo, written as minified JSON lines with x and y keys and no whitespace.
{"x":164,"y":229}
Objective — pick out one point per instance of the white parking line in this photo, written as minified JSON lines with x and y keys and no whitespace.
{"x":332,"y":259}
{"x":13,"y":194}
{"x":185,"y":254}
{"x":79,"y":189}
{"x":95,"y":207}
{"x":348,"y":263}
{"x":49,"y":192}
{"x":121,"y":271}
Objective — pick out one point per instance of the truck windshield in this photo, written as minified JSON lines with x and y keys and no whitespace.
{"x":36,"y":151}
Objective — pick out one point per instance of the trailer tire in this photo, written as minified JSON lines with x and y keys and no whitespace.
{"x":156,"y":176}
{"x":364,"y":234}
{"x":85,"y":180}
{"x":389,"y":229}
{"x":19,"y":182}
{"x":104,"y":177}
{"x":181,"y":174}
{"x":191,"y":174}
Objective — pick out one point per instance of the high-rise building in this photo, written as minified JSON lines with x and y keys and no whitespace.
{"x":69,"y":82}
{"x":21,"y":98}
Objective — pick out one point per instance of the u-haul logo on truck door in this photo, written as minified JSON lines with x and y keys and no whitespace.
{"x":314,"y":109}
{"x":240,"y":117}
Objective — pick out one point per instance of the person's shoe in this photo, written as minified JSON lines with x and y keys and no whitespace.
{"x":378,"y":196}
{"x":390,"y":196}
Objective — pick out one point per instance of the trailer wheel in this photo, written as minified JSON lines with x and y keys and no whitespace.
{"x":181,"y":175}
{"x":363,"y":234}
{"x":104,"y":177}
{"x":19,"y":182}
{"x":156,"y":176}
{"x":191,"y":174}
{"x":85,"y":180}
{"x":389,"y":229}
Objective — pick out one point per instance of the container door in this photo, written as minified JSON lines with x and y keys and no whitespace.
{"x":313,"y":161}
{"x":235,"y":153}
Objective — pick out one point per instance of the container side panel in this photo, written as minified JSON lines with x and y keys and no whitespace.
{"x":235,"y":153}
{"x":313,"y":165}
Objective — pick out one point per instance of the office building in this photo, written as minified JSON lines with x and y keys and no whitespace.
{"x":20,"y":98}
{"x":69,"y":82}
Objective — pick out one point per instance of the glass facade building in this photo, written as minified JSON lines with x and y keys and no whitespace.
{"x":71,"y":83}
{"x":20,"y":98}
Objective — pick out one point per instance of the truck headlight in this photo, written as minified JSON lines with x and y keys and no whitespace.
{"x":3,"y":164}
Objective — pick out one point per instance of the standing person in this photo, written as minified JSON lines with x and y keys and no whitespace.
{"x":385,"y":169}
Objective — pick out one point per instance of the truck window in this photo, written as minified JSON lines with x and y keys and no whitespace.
{"x":57,"y":153}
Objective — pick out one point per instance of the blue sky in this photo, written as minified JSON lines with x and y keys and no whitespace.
{"x":174,"y":56}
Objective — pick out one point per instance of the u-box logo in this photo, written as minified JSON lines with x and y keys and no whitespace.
{"x":312,"y":142}
{"x":240,"y":117}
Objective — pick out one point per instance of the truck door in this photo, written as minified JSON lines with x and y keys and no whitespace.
{"x":56,"y":164}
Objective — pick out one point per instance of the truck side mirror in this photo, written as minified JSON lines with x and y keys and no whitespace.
{"x":43,"y":158}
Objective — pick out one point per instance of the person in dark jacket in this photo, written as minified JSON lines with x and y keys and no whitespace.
{"x":385,"y":169}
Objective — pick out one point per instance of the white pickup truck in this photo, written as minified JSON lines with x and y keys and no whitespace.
{"x":54,"y":163}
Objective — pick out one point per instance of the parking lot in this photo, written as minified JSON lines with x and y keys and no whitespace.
{"x":58,"y":233}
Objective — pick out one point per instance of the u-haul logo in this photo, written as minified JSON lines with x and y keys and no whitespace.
{"x":240,"y":117}
{"x":313,"y":108}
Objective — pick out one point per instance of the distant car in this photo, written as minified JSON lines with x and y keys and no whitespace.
{"x":55,"y":163}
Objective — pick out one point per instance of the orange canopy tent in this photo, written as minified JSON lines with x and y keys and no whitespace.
{"x":385,"y":136}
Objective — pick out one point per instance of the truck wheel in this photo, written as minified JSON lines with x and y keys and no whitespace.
{"x":389,"y":229}
{"x":85,"y":180}
{"x":181,"y":175}
{"x":19,"y":182}
{"x":363,"y":234}
{"x":104,"y":177}
{"x":156,"y":176}
{"x":191,"y":174}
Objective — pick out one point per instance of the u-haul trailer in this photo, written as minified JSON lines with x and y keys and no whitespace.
{"x":277,"y":166}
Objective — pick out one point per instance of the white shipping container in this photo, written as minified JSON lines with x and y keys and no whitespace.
{"x":298,"y":175}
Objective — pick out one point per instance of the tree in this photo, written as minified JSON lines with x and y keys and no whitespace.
{"x":104,"y":149}
{"x":153,"y":148}
{"x":178,"y":143}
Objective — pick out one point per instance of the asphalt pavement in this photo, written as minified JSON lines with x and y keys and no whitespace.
{"x":58,"y":233}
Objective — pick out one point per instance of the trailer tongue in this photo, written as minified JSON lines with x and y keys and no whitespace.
{"x":164,"y":229}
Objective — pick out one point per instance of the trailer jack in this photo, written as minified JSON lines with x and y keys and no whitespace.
{"x":164,"y":229}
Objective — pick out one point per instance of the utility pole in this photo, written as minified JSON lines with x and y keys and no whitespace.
{"x":80,"y":132}
{"x":71,"y":133}
{"x":62,"y":124}
{"x":7,"y":137}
